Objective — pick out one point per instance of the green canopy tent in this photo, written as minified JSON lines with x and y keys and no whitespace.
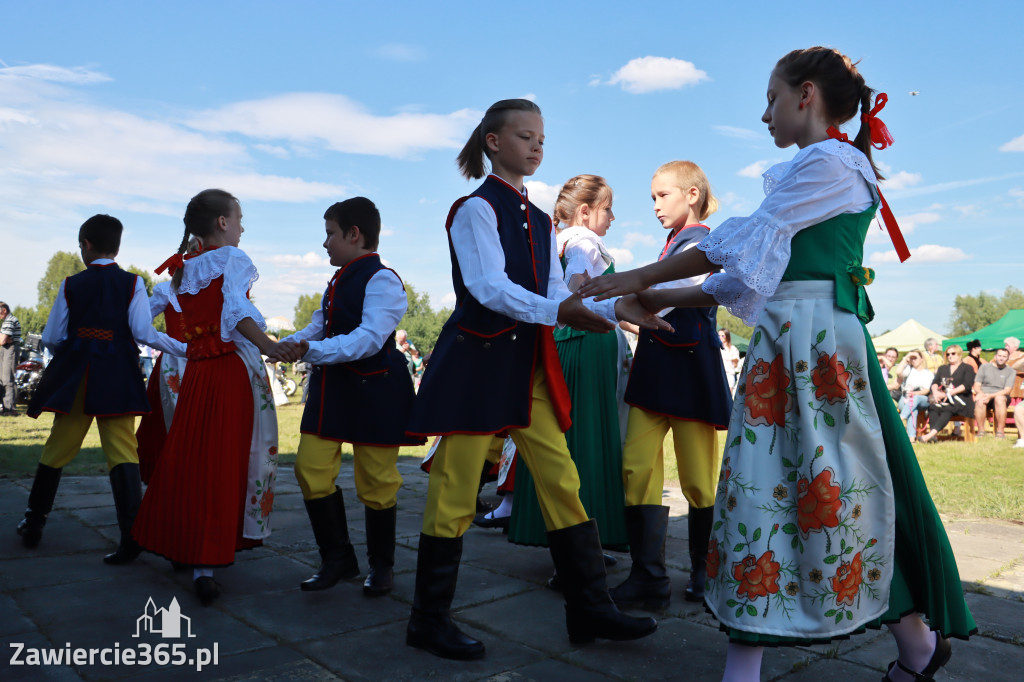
{"x":991,"y":337}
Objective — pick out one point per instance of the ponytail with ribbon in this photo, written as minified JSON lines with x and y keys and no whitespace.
{"x":880,"y":139}
{"x":880,"y":135}
{"x":172,"y":265}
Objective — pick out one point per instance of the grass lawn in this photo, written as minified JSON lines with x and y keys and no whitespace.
{"x":983,"y":479}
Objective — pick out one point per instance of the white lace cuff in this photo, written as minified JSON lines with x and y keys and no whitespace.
{"x":755,"y":250}
{"x":739,"y":299}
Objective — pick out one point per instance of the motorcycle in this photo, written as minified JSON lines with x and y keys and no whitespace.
{"x":29,"y":370}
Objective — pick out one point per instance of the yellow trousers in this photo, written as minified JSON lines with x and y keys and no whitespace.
{"x":698,"y":458}
{"x":117,"y":436}
{"x":376,"y":471}
{"x":455,"y":472}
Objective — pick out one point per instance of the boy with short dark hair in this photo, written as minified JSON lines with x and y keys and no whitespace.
{"x":360,"y":392}
{"x":93,"y":326}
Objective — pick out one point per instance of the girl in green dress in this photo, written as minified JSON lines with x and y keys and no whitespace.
{"x":823,"y":523}
{"x":594,"y":365}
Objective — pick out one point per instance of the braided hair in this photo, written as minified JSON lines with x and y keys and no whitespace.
{"x":200,"y":219}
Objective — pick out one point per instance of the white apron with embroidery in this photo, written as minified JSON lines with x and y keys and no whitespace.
{"x":803,"y":540}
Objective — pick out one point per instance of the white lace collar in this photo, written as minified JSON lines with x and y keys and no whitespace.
{"x":850,"y":156}
{"x":205,"y":268}
{"x":575,"y":233}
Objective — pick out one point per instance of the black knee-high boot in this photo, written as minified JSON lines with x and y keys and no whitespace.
{"x":380,"y":550}
{"x":126,"y":485}
{"x":590,"y":612}
{"x":40,"y":502}
{"x":431,"y":627}
{"x":330,"y":528}
{"x":648,"y":585}
{"x":699,"y":522}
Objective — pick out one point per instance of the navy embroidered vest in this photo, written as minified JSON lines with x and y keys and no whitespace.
{"x":479,"y":378}
{"x":680,"y":374}
{"x":99,"y":348}
{"x":366,"y":401}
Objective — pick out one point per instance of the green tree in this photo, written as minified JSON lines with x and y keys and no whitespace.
{"x":158,"y":322}
{"x":62,"y":264}
{"x":421,"y":321}
{"x":734,"y":324}
{"x":31,"y":321}
{"x":304,"y":309}
{"x":971,"y":313}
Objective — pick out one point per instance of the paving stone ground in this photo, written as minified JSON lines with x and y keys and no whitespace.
{"x":61,"y":596}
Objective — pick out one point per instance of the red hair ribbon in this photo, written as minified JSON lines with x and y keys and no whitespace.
{"x":172,"y":265}
{"x":880,"y":135}
{"x":887,"y":217}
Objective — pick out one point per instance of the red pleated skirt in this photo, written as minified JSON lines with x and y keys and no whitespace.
{"x":151,"y":434}
{"x":193,"y":509}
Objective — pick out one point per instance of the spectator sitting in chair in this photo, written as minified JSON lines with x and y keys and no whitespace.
{"x":1016,"y":359}
{"x":951,"y":393}
{"x":993,"y":385}
{"x":887,"y":361}
{"x":932,"y":356}
{"x":973,"y":357}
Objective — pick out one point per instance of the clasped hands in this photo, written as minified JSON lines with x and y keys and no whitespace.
{"x":288,"y":351}
{"x":632,"y":308}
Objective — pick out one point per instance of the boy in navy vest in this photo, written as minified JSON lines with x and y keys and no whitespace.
{"x":96,"y":319}
{"x":360,"y":392}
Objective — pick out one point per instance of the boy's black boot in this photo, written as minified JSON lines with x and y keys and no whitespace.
{"x":330,"y":528}
{"x":431,"y":627}
{"x":700,"y":522}
{"x":380,"y":550}
{"x":647,"y":586}
{"x":590,"y":612}
{"x":40,"y":502}
{"x":127,"y":488}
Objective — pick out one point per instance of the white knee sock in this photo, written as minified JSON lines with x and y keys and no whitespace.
{"x":505,"y":508}
{"x":916,"y":644}
{"x":743,"y":663}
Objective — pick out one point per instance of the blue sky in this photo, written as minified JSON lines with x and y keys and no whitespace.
{"x":131,"y":108}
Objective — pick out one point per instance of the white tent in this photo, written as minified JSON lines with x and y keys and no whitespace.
{"x":279,"y":324}
{"x":906,"y":337}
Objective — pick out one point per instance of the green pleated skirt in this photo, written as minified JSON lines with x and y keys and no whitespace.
{"x":591,"y":366}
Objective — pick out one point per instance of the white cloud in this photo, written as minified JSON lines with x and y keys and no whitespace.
{"x":908,"y":224}
{"x":754,"y":170}
{"x":543,"y":195}
{"x":56,"y":74}
{"x":338,"y":123}
{"x":622,"y":257}
{"x":272,"y":150}
{"x":448,"y":300}
{"x":926,"y":253}
{"x":650,"y":74}
{"x":900,"y":180}
{"x":639,"y":239}
{"x":1018,"y":194}
{"x":307,"y":260}
{"x":401,"y":52}
{"x":1014,"y":145}
{"x":739,"y":133}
